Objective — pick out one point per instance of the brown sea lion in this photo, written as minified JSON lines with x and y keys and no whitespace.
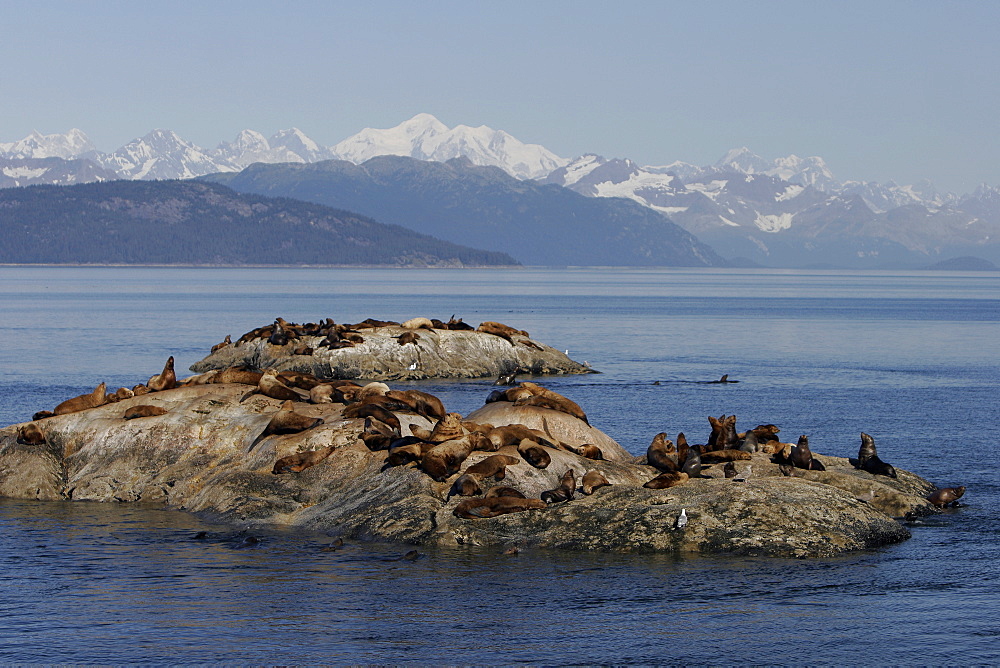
{"x":286,"y":421}
{"x":503,"y":490}
{"x":498,"y":505}
{"x":300,"y":461}
{"x":408,"y":337}
{"x":682,"y":448}
{"x":465,"y":485}
{"x":565,"y":490}
{"x":867,"y":449}
{"x":868,"y":459}
{"x":665,"y":480}
{"x":32,"y":434}
{"x":374,"y":411}
{"x":692,"y":465}
{"x":303,"y":350}
{"x":422,"y":433}
{"x":477,"y":427}
{"x":424,"y":403}
{"x":225,"y":342}
{"x":558,"y":401}
{"x":750,"y":443}
{"x":534,"y":453}
{"x":458,"y":325}
{"x":593,"y":480}
{"x":41,"y":415}
{"x":499,"y":328}
{"x":271,"y":386}
{"x":139,"y":390}
{"x":723,"y":434}
{"x":297,"y":379}
{"x":589,"y":451}
{"x":403,"y":451}
{"x":728,"y":455}
{"x":96,"y":398}
{"x":447,"y":428}
{"x":511,"y":434}
{"x":660,"y":454}
{"x":143,"y":410}
{"x":444,"y":460}
{"x":493,"y":466}
{"x":165,"y":380}
{"x":941,"y":498}
{"x":239,"y":375}
{"x":729,"y":470}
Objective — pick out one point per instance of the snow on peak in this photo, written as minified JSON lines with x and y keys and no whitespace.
{"x":36,"y":145}
{"x":426,"y":138}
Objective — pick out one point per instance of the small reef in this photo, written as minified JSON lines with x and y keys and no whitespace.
{"x":263,"y":446}
{"x":416,"y":349}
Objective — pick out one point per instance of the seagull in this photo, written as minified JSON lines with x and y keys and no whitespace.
{"x":743,"y":477}
{"x":566,"y":352}
{"x":867,"y":497}
{"x":412,"y":366}
{"x":682,"y":520}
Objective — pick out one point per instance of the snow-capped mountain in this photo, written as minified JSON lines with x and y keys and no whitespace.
{"x":161,"y":154}
{"x":251,"y":146}
{"x":426,"y":138}
{"x":73,"y":144}
{"x":17,"y":172}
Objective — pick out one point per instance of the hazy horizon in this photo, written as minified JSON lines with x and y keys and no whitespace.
{"x":896,"y":91}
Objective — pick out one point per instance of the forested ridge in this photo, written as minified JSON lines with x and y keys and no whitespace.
{"x":195,"y":222}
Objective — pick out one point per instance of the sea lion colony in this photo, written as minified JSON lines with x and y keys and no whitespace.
{"x":441,"y":451}
{"x":332,"y":335}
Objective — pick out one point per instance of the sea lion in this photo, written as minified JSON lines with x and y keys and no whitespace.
{"x":593,"y":480}
{"x":418,"y":323}
{"x":498,"y":505}
{"x":511,"y":434}
{"x":682,"y":448}
{"x":867,"y":449}
{"x":723,"y":380}
{"x":143,"y":410}
{"x":297,"y":379}
{"x":303,"y":350}
{"x":321,"y":394}
{"x":727,"y":455}
{"x":729,"y":470}
{"x":407,"y":337}
{"x":165,"y":380}
{"x":374,"y":411}
{"x":483,"y":428}
{"x":665,"y":480}
{"x":198,"y":379}
{"x":589,"y":451}
{"x":661,"y":454}
{"x":503,"y":490}
{"x":458,"y":325}
{"x":425,"y":404}
{"x":750,"y":443}
{"x":868,"y":459}
{"x":239,"y":375}
{"x":139,"y":389}
{"x":371,"y":389}
{"x":225,"y":342}
{"x":494,"y":465}
{"x":506,"y":379}
{"x":555,"y":400}
{"x":32,"y":434}
{"x":81,"y":403}
{"x":801,"y":455}
{"x":286,"y":421}
{"x":498,"y":328}
{"x":941,"y":498}
{"x":41,"y":415}
{"x":692,"y":465}
{"x":444,"y":460}
{"x":446,"y":429}
{"x":723,"y":434}
{"x":565,"y":490}
{"x":403,"y":451}
{"x":271,"y":386}
{"x":300,"y":461}
{"x":465,"y":485}
{"x":534,"y":453}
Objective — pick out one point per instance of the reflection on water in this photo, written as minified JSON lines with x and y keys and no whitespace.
{"x":910,"y":357}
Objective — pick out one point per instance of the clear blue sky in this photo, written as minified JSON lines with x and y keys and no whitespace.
{"x":881,"y":90}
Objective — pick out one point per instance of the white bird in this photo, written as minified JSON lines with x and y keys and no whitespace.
{"x":867,"y":497}
{"x":745,"y":475}
{"x":682,"y":520}
{"x":566,"y":352}
{"x":412,"y":366}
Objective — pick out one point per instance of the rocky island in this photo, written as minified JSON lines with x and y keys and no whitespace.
{"x":365,"y":461}
{"x":416,"y":349}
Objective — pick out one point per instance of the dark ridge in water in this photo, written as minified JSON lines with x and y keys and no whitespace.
{"x":909,"y":357}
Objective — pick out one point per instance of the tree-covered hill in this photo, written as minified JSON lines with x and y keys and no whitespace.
{"x":195,"y":222}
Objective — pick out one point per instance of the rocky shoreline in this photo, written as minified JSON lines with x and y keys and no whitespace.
{"x":324,"y":456}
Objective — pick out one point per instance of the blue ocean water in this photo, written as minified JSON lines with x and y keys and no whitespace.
{"x":912,"y":358}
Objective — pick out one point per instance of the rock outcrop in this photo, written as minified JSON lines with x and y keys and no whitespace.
{"x":197,"y":456}
{"x":435,"y":353}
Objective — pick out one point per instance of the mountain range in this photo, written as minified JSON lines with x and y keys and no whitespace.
{"x":199,"y":223}
{"x":784,"y":213}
